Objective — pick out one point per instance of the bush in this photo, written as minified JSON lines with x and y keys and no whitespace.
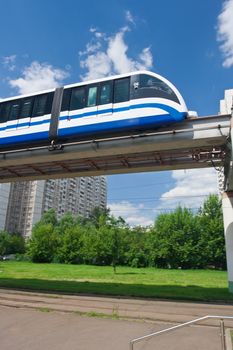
{"x":11,"y":244}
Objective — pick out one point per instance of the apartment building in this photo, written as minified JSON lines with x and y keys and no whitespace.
{"x":28,"y":200}
{"x":24,"y":206}
{"x":76,"y":195}
{"x":5,"y":192}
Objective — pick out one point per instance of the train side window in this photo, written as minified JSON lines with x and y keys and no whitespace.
{"x":26,"y":108}
{"x":77,"y":98}
{"x":49,"y":102}
{"x":14,"y":110}
{"x":121,"y":90}
{"x":91,"y":96}
{"x":66,"y":100}
{"x":40,"y":105}
{"x":4,"y":111}
{"x":105,"y":95}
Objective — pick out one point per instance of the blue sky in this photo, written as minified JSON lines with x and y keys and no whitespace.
{"x":49,"y":43}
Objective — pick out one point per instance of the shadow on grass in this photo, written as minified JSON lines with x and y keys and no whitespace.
{"x":130,"y":273}
{"x":195,"y":293}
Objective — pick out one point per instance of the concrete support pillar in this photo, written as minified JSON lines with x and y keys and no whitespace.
{"x":227,"y":206}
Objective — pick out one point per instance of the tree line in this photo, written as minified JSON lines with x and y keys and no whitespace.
{"x":180,"y":239}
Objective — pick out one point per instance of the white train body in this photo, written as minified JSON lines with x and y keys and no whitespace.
{"x":88,"y":110}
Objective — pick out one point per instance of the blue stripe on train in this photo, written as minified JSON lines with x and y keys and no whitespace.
{"x":127,"y":124}
{"x":26,"y":125}
{"x":164,"y":107}
{"x":37,"y":136}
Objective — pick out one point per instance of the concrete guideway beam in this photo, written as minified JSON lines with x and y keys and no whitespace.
{"x":194,"y":143}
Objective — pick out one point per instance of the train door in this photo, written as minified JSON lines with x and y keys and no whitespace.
{"x":72,"y":111}
{"x":13,"y":116}
{"x":19,"y":116}
{"x":91,"y":104}
{"x":25,"y":113}
{"x":105,"y":104}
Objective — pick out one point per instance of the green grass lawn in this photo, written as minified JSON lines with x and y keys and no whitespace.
{"x":202,"y":285}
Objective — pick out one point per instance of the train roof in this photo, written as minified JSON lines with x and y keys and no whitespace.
{"x":93,"y":82}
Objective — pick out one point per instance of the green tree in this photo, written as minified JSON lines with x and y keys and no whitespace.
{"x":11,"y":243}
{"x":136,"y":248}
{"x":49,"y":217}
{"x":70,"y":244}
{"x":89,"y":243}
{"x":173,"y":240}
{"x":177,"y":239}
{"x":212,"y":241}
{"x":98,"y":244}
{"x":43,"y":243}
{"x":117,"y":228}
{"x":4,"y":243}
{"x":99,"y":217}
{"x":101,"y":241}
{"x":66,"y":221}
{"x":17,"y":244}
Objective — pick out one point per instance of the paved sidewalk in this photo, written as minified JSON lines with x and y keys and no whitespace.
{"x":26,"y":329}
{"x":27,"y":323}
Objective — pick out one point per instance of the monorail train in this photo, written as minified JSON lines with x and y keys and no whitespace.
{"x":89,"y":110}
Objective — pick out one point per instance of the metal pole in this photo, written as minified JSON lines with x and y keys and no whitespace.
{"x":222,"y":333}
{"x":222,"y":329}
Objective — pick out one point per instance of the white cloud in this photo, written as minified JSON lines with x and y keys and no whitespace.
{"x":93,"y":47}
{"x":145,"y":58}
{"x":191,"y":187}
{"x":225,"y":32}
{"x":129,"y":17}
{"x":97,"y":33}
{"x":117,"y":52}
{"x":38,"y":76}
{"x":9,"y":62}
{"x":132,"y":213}
{"x":106,"y":55}
{"x":93,"y":29}
{"x":97,"y":65}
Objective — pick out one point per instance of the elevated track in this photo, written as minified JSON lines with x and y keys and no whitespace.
{"x":195,"y":143}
